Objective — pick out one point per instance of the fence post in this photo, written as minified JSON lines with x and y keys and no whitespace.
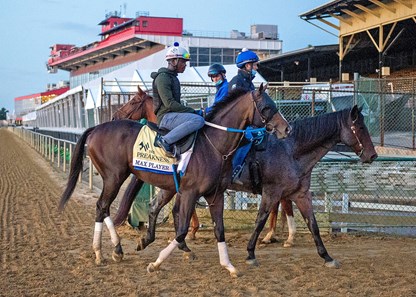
{"x":328,"y":202}
{"x":344,"y":208}
{"x":53,"y":150}
{"x":64,"y":157}
{"x":59,"y":153}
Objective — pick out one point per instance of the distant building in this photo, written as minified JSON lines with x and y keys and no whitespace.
{"x":126,"y":40}
{"x":28,"y":103}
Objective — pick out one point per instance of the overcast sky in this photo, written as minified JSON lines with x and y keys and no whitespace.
{"x":30,"y":27}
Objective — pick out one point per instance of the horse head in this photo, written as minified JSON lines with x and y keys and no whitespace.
{"x":356,"y":135}
{"x":269,"y":115}
{"x":140,"y":106}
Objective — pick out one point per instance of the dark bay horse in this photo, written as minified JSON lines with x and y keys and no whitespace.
{"x":286,"y":167}
{"x":110,"y":147}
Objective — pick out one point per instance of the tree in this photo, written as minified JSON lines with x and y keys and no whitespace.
{"x":3,"y":113}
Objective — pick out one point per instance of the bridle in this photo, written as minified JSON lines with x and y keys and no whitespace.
{"x":264,"y":119}
{"x":360,"y":145}
{"x":135,"y":104}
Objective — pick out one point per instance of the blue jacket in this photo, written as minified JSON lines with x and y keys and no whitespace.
{"x":222,"y":91}
{"x":242,"y":80}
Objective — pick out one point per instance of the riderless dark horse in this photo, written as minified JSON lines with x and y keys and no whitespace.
{"x":110,"y":147}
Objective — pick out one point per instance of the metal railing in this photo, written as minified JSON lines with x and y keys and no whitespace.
{"x":347,"y":195}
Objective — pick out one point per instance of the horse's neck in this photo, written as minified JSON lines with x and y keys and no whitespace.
{"x":308,"y":153}
{"x":235,"y":116}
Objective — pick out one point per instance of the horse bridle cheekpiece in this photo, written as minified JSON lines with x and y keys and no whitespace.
{"x":354,"y":132}
{"x":261,"y":107}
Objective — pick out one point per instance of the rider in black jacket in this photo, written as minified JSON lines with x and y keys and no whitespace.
{"x":246,"y":61}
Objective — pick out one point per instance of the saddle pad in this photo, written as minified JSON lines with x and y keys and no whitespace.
{"x":148,"y":157}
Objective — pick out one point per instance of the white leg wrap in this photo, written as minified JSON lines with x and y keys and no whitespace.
{"x":224,"y":260}
{"x":166,"y":252}
{"x":114,"y":236}
{"x":292,"y":231}
{"x":96,"y":243}
{"x":291,"y":226}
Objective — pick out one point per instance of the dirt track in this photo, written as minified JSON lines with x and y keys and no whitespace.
{"x":45,"y":253}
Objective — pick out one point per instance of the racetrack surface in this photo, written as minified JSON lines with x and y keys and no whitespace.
{"x":47,"y":253}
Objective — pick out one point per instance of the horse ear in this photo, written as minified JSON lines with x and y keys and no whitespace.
{"x":355,"y":111}
{"x":140,"y":91}
{"x":261,"y":88}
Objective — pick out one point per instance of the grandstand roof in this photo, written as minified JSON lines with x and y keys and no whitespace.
{"x":336,"y":7}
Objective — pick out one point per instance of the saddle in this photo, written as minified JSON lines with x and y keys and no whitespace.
{"x":182,"y":145}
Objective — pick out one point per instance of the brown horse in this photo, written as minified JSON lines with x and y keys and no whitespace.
{"x":110,"y":147}
{"x":286,"y":167}
{"x":139,"y":107}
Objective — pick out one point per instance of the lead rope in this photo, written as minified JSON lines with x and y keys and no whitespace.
{"x":224,"y":158}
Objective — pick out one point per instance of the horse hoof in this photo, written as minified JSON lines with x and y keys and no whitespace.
{"x":141,"y":244}
{"x":288,"y":244}
{"x":235,"y":273}
{"x":152,"y":268}
{"x":252,"y":262}
{"x":99,"y":261}
{"x":117,"y":257}
{"x":191,"y":236}
{"x":332,"y":264}
{"x":189,"y":256}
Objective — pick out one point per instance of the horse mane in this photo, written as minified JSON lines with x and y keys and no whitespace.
{"x":231,"y":96}
{"x":307,"y":129}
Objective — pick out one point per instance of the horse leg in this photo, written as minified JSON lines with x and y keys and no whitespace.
{"x":194,"y":226}
{"x":304,"y":204}
{"x":287,"y":212}
{"x":271,"y":234}
{"x":266,"y":207}
{"x":182,"y":212}
{"x":216,"y":208}
{"x":109,"y":193}
{"x":187,"y":253}
{"x":163,"y":198}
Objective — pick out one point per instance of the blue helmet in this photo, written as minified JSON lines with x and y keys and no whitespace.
{"x":246,"y":56}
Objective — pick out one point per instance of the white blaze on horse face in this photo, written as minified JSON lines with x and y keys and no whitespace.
{"x":114,"y":236}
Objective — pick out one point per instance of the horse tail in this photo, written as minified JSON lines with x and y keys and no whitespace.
{"x":127,"y":200}
{"x":76,"y":167}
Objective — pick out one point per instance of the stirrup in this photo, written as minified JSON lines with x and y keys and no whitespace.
{"x":166,"y":147}
{"x":235,"y":179}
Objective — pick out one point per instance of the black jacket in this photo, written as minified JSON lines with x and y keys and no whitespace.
{"x":242,"y":80}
